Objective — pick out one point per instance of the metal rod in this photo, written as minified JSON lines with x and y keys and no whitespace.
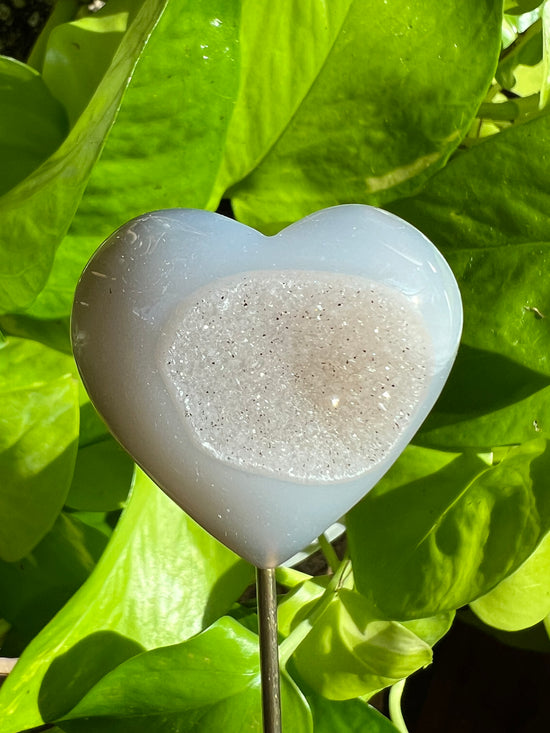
{"x":269,"y":649}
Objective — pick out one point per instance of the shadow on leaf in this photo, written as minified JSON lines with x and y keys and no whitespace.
{"x":482,"y":381}
{"x":71,"y":675}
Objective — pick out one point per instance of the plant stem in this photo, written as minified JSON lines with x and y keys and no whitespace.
{"x":290,"y":577}
{"x":515,"y":47}
{"x":394,"y":703}
{"x":294,"y":639}
{"x":329,"y":553}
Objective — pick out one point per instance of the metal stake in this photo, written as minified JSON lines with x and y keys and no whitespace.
{"x":269,"y":649}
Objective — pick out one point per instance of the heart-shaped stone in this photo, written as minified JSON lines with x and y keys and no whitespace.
{"x":266,"y":383}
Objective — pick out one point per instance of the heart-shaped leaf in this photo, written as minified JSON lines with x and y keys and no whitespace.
{"x":348,"y":654}
{"x":446,"y":528}
{"x":210,"y":682}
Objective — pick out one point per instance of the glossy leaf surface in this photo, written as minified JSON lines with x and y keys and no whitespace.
{"x":38,"y":442}
{"x":497,"y":246}
{"x":32,"y":125}
{"x":446,"y":528}
{"x":399,"y":72}
{"x":210,"y":682}
{"x":161,"y":580}
{"x":167,"y":145}
{"x":347,"y":654}
{"x":523,"y":598}
{"x":487,"y":216}
{"x":37,"y":213}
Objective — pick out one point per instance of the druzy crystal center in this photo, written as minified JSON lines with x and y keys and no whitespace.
{"x":306,"y":375}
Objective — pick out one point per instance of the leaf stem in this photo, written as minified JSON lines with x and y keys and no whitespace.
{"x":295,"y":638}
{"x":394,"y":704}
{"x":523,"y":38}
{"x":290,"y":577}
{"x":329,"y":553}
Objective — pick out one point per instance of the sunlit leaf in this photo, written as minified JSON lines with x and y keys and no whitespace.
{"x":274,"y":86}
{"x":38,"y":442}
{"x":440,"y":530}
{"x":392,"y":99}
{"x":347,"y":653}
{"x":468,"y":204}
{"x":518,"y":7}
{"x":209,"y":683}
{"x":347,"y":716}
{"x":167,"y":145}
{"x":78,"y":54}
{"x":497,"y":245}
{"x":160,"y":580}
{"x":37,"y":212}
{"x":523,"y":598}
{"x":431,"y":629}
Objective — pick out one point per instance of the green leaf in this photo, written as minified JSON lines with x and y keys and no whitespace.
{"x":504,"y":292}
{"x":54,"y":333}
{"x":38,"y":442}
{"x":72,"y":674}
{"x":298,"y":603}
{"x":167,"y":145}
{"x":431,"y":629}
{"x":498,"y":391}
{"x":33,"y":589}
{"x":33,"y":123}
{"x":516,"y":64}
{"x":518,"y":7}
{"x":274,"y":86}
{"x":545,"y":85}
{"x":62,"y":12}
{"x":37,"y":212}
{"x":488,"y":400}
{"x":102,"y":477}
{"x":160,"y":580}
{"x":497,"y":245}
{"x":347,"y":716}
{"x":390,"y":101}
{"x":347,"y":654}
{"x":440,"y":530}
{"x":78,"y":54}
{"x":468,"y":204}
{"x":209,"y":683}
{"x":523,"y":598}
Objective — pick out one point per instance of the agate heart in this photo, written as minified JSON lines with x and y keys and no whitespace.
{"x":266,"y":383}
